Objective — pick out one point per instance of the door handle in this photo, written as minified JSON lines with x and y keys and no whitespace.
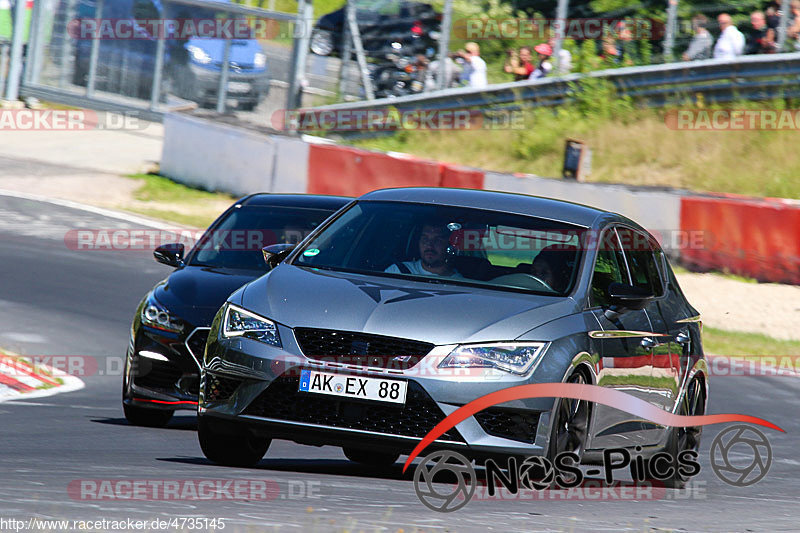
{"x":682,"y":338}
{"x":648,"y":342}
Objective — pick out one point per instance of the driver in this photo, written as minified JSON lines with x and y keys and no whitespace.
{"x":433,"y":242}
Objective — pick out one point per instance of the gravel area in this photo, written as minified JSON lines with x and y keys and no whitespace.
{"x":724,"y":303}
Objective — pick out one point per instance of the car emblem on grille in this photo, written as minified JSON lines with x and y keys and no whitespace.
{"x":401,"y":358}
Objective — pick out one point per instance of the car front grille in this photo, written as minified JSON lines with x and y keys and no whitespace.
{"x":282,"y":401}
{"x":156,"y":374}
{"x":220,"y":389}
{"x":361,"y":349}
{"x":509,"y":423}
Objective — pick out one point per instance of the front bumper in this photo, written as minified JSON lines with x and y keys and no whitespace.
{"x":243,"y":87}
{"x":158,"y":384}
{"x":255,"y":384}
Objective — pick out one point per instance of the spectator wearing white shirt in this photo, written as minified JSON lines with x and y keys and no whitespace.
{"x":731,"y":41}
{"x":477,"y":66}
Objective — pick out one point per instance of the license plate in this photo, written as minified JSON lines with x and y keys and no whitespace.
{"x":359,"y":387}
{"x":238,"y":87}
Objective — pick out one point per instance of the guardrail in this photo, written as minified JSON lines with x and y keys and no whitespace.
{"x":749,"y":77}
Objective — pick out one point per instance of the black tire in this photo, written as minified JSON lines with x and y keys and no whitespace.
{"x":371,"y":458}
{"x":142,"y":416}
{"x":230,"y":445}
{"x":688,"y":438}
{"x":570,"y":424}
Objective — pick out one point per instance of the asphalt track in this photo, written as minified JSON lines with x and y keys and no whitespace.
{"x":57,"y":301}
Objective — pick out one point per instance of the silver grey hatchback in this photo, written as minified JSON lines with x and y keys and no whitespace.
{"x":410,"y":303}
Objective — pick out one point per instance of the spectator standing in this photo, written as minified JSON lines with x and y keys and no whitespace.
{"x":544,"y":66}
{"x":519,"y":64}
{"x":760,"y":38}
{"x":702,"y":42}
{"x":731,"y":41}
{"x":477,"y":66}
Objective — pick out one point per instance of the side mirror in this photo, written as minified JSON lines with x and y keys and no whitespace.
{"x":627,"y":296}
{"x":170,"y":254}
{"x":275,"y":253}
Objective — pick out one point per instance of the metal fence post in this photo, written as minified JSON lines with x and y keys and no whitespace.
{"x":93,"y":55}
{"x":15,"y":69}
{"x":561,"y":25}
{"x":669,"y":36}
{"x":222,"y":89}
{"x":444,"y":43}
{"x":34,"y":43}
{"x":302,"y":38}
{"x":155,"y":90}
{"x":347,"y":52}
{"x":785,"y":7}
{"x":355,"y":33}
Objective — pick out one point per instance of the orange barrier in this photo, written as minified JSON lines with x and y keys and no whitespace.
{"x":352,"y":172}
{"x":461,"y":177}
{"x":759,"y":238}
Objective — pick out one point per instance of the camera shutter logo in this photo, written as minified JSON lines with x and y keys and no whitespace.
{"x":733,"y":442}
{"x":455,"y":496}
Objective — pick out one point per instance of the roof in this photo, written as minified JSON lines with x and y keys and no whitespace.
{"x":312,"y":201}
{"x":521,"y":204}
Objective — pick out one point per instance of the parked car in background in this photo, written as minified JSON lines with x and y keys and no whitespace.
{"x":170,"y":325}
{"x":192,"y":67}
{"x":415,"y":25}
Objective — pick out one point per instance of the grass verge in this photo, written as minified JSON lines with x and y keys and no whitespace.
{"x":164,"y":199}
{"x":722,"y":342}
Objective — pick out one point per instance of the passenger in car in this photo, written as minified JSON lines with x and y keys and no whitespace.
{"x":554,"y":265}
{"x":433,"y":242}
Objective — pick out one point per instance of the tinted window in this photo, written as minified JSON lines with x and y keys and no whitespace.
{"x":236,"y":242}
{"x":608,"y":268}
{"x":640,"y":253}
{"x":453,"y":244}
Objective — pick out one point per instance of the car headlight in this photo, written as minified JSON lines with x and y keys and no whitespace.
{"x":241,"y":323}
{"x":516,"y":358}
{"x":199,"y":55}
{"x":156,"y":316}
{"x":260,"y":60}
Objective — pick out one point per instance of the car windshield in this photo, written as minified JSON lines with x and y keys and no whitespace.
{"x":445,"y":244}
{"x":236,"y":242}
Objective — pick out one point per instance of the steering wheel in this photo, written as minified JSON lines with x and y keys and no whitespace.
{"x":512,"y":279}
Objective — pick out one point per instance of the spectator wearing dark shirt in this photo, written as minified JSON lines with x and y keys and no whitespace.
{"x":760,"y":38}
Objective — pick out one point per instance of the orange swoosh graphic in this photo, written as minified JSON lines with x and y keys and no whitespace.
{"x":578,"y":391}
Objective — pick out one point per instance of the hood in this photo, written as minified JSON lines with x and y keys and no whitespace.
{"x":430,"y":312}
{"x":196,"y":293}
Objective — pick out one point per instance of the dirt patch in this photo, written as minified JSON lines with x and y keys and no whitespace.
{"x":768,"y":308}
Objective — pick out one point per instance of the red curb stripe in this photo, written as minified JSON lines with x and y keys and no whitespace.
{"x":11,"y":361}
{"x":14,"y":384}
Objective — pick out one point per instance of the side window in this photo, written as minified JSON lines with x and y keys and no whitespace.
{"x":608,"y":268}
{"x":642,"y":261}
